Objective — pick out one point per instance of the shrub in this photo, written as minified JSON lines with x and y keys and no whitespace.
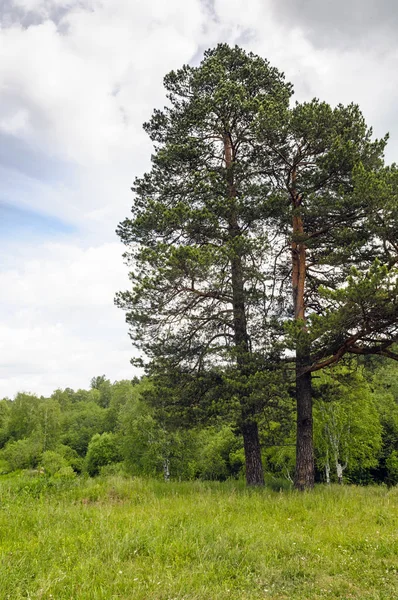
{"x":118,"y":468}
{"x":277,"y":484}
{"x":102,"y":450}
{"x":65,"y":473}
{"x":4,"y":467}
{"x":71,"y":456}
{"x":52,"y":462}
{"x":22,"y":454}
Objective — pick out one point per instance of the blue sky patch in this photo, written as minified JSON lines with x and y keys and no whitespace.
{"x":16,"y":221}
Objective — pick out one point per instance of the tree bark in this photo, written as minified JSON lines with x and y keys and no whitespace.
{"x":327,"y":472}
{"x":304,"y":474}
{"x":251,"y":443}
{"x":249,"y":427}
{"x":339,"y":471}
{"x":305,"y":471}
{"x":166,"y":469}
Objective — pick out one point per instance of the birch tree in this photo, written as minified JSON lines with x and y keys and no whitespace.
{"x":348,"y":432}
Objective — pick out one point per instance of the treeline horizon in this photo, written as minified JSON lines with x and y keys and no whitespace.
{"x":121,"y":428}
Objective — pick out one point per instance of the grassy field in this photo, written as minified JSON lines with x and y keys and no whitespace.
{"x":122,"y":538}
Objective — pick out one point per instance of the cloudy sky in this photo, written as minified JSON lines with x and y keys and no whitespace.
{"x":77,"y":80}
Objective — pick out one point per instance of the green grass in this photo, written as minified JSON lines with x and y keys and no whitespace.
{"x":141,"y":539}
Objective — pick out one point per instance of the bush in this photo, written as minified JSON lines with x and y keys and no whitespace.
{"x":118,"y":468}
{"x":4,"y":467}
{"x":65,"y":473}
{"x":102,"y":450}
{"x":277,"y":484}
{"x":52,"y":462}
{"x":71,"y":456}
{"x":22,"y":454}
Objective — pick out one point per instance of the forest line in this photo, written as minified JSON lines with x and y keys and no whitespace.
{"x":116,"y":428}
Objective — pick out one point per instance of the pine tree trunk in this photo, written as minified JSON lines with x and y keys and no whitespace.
{"x":304,"y":475}
{"x":249,"y":427}
{"x":305,"y":472}
{"x":251,"y":442}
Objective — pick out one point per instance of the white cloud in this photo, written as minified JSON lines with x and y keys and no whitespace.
{"x":365,"y":75}
{"x":88,"y":89}
{"x":44,"y":6}
{"x":16,"y":124}
{"x":79,"y":90}
{"x":62,"y":327}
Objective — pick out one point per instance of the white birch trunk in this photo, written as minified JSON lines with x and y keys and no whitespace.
{"x":166,"y":469}
{"x":327,"y":472}
{"x":339,"y":470}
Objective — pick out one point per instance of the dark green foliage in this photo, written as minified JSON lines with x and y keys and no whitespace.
{"x":22,"y":454}
{"x":331,"y":178}
{"x":103,"y":449}
{"x":391,"y":464}
{"x":71,"y":456}
{"x":104,"y":388}
{"x":220,"y":454}
{"x":183,"y":209}
{"x":80,"y":423}
{"x":384,"y":381}
{"x":96,"y":382}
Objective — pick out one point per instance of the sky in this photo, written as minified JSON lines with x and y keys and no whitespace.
{"x":77,"y":80}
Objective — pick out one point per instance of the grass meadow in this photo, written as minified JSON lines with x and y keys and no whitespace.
{"x":108,"y":538}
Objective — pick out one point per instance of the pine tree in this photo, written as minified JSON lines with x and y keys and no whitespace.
{"x":198,"y":238}
{"x":328,"y":175}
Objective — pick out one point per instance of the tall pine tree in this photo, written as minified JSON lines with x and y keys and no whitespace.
{"x":198,"y":238}
{"x":327,"y":172}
